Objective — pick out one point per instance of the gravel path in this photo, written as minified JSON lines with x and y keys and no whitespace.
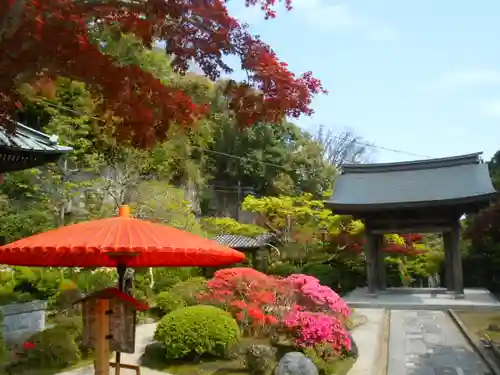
{"x":367,"y":338}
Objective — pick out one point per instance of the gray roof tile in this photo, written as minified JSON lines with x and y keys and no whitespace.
{"x":433,"y":180}
{"x":244,"y":242}
{"x":26,"y":148}
{"x":26,"y":138}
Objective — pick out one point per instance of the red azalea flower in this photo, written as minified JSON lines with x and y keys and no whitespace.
{"x":29,"y":345}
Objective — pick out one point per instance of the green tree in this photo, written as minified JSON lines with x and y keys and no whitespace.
{"x":301,"y":221}
{"x":273,"y":159}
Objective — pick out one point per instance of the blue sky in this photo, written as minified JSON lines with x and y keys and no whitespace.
{"x":420,"y":76}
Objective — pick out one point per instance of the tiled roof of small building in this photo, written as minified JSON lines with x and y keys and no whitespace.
{"x":25,"y":148}
{"x":243,"y":242}
{"x":26,"y":138}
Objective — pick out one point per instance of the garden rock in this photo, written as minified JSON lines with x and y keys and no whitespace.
{"x":357,"y":320}
{"x":494,"y":327}
{"x":260,"y":359}
{"x":153,"y":353}
{"x":296,"y":363}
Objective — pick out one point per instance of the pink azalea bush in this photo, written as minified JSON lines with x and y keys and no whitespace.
{"x":312,"y":328}
{"x":316,"y":297}
{"x":309,"y":313}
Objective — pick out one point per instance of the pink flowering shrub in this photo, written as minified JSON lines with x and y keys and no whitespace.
{"x":298,"y":306}
{"x":314,"y":328}
{"x":316,"y":297}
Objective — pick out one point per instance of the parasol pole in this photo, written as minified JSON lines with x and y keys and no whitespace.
{"x":121,"y":287}
{"x":124,"y":211}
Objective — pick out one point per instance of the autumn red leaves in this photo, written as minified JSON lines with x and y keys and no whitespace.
{"x":53,"y":38}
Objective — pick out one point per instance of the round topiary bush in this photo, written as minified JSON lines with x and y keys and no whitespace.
{"x":53,"y":348}
{"x":72,"y":325}
{"x":167,"y":302}
{"x":190,"y":289}
{"x":197,"y":330}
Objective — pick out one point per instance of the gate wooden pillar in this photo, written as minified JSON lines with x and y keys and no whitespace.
{"x":381,"y":268}
{"x":453,"y":260}
{"x":458,"y":281}
{"x":371,"y":256}
{"x":448,"y":261}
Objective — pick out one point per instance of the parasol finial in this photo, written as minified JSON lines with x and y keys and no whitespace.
{"x":124,"y":211}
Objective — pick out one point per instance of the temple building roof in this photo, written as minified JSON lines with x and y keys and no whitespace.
{"x":27,"y":148}
{"x":423,"y":183}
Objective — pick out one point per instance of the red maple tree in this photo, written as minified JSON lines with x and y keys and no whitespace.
{"x":48,"y":38}
{"x":355,"y":243}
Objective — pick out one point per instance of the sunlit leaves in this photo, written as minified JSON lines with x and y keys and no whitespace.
{"x":227,"y":225}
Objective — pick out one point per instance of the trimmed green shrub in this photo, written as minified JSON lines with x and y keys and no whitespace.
{"x":260,"y":359}
{"x":283,"y":269}
{"x":167,"y":302}
{"x":197,"y":330}
{"x":73,"y":325}
{"x":167,"y":277}
{"x":190,"y":289}
{"x":53,"y":348}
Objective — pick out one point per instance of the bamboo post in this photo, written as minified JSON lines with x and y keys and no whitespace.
{"x":102,"y":344}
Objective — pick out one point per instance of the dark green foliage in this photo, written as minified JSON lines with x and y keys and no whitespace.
{"x":326,"y":274}
{"x":190,"y":289}
{"x":142,"y":282}
{"x":88,"y":281}
{"x":260,"y":359}
{"x":167,"y":302}
{"x":283,"y":269}
{"x":3,"y":346}
{"x":41,"y":283}
{"x":154,"y":353}
{"x":64,"y":301}
{"x":349,"y":273}
{"x":481,"y":266}
{"x":481,"y":248}
{"x":167,"y":277}
{"x":197,"y":330}
{"x":72,"y":325}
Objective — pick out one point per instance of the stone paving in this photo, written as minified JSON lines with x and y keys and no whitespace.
{"x":423,"y":299}
{"x":429,"y":343}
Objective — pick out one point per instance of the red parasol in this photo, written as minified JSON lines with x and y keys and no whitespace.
{"x":117,"y":242}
